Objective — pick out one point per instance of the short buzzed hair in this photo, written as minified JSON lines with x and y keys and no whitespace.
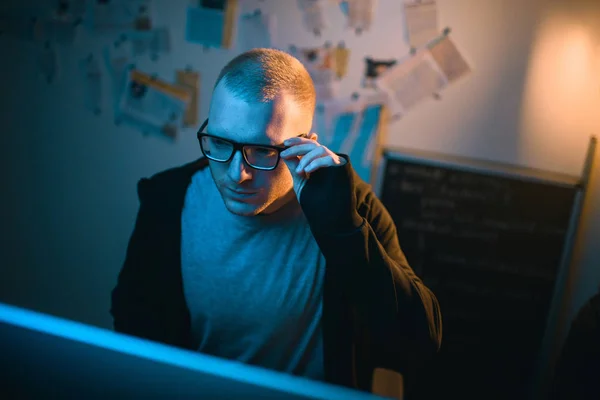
{"x":261,"y":74}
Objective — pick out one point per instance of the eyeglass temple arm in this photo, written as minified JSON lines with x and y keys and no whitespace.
{"x":203,"y":126}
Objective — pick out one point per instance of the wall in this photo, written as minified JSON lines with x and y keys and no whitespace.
{"x":69,"y":201}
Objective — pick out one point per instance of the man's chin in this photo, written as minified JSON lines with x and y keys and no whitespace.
{"x":243,"y":209}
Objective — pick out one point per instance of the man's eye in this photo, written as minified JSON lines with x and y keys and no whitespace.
{"x":220,"y":143}
{"x":264,"y":151}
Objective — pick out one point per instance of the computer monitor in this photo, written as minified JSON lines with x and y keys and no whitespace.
{"x":43,"y":356}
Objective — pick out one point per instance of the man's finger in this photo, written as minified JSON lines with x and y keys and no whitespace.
{"x":299,"y":178}
{"x":321,"y":162}
{"x":311,"y":156}
{"x":292,"y":164}
{"x":298,"y":150}
{"x":298,"y":140}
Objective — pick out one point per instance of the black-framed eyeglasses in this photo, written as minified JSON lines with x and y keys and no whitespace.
{"x":261,"y":157}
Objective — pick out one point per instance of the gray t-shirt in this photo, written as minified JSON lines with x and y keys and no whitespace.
{"x":253,"y":285}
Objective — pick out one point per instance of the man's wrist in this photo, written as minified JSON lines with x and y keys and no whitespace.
{"x":329,"y":203}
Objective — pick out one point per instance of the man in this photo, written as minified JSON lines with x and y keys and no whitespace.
{"x":270,"y":250}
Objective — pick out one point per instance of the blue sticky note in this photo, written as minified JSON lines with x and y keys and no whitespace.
{"x":205,"y":26}
{"x":354,"y":134}
{"x":344,"y":7}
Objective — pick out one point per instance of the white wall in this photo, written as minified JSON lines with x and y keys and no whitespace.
{"x":69,"y":201}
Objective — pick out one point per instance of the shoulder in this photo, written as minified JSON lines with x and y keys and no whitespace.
{"x":371,"y":208}
{"x":169,"y":182}
{"x":368,"y":204}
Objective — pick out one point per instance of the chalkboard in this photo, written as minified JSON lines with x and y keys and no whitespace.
{"x":489,"y":240}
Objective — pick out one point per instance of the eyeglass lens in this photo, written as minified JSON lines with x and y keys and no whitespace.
{"x":257,"y":156}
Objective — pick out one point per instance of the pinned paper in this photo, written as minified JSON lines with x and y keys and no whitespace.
{"x":421,"y":21}
{"x":327,"y":111}
{"x":152,"y":104}
{"x":359,"y":13}
{"x":342,"y":56}
{"x":153,"y":42}
{"x":448,"y":57}
{"x":47,"y":63}
{"x":110,"y":16}
{"x":190,"y":80}
{"x":212,"y":23}
{"x":322,"y":65}
{"x":412,"y":81}
{"x":92,"y":74}
{"x":313,"y":12}
{"x":423,"y":75}
{"x":374,"y":68}
{"x":257,"y":29}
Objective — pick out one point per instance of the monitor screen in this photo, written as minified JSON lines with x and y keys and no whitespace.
{"x":48,"y":357}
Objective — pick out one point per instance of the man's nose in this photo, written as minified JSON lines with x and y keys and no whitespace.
{"x":238,"y":170}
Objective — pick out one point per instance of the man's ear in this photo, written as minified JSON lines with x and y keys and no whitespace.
{"x":313,"y":136}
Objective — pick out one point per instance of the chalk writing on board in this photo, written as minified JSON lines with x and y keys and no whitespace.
{"x":521,"y":226}
{"x":411,"y":187}
{"x":431,"y":174}
{"x":437,"y":202}
{"x":479,"y":180}
{"x":476,"y":234}
{"x":463,"y":193}
{"x":427,"y":226}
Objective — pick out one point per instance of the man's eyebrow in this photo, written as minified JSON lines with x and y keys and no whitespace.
{"x":269,"y":143}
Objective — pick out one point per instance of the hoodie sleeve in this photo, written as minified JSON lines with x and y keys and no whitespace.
{"x":400,"y":312}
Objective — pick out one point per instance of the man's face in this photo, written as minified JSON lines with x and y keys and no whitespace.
{"x":247,"y":191}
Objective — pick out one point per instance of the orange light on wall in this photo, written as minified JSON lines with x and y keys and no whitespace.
{"x":561,"y":99}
